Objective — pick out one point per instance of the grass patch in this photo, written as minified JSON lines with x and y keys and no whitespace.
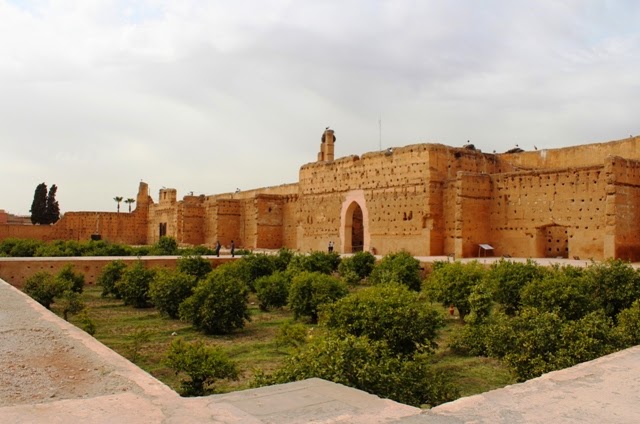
{"x":143,"y":336}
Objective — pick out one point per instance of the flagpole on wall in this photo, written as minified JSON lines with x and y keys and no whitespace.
{"x":380,"y":133}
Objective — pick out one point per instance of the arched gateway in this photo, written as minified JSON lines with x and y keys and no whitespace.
{"x":354,"y":217}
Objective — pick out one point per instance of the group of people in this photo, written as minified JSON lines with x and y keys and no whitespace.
{"x":218,"y":246}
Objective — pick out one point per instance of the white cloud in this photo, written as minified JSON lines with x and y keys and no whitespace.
{"x":209,"y":96}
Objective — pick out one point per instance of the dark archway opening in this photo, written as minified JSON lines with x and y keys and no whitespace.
{"x":357,"y":230}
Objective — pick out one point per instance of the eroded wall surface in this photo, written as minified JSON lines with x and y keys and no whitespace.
{"x":427,"y":199}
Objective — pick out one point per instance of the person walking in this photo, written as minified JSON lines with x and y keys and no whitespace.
{"x":233,"y":248}
{"x":218,"y":246}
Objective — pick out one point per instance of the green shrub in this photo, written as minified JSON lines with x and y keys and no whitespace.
{"x":18,"y":248}
{"x":588,"y":338}
{"x":291,"y":334}
{"x":616,"y":285}
{"x":492,"y":337}
{"x":218,"y":304}
{"x":110,"y":276}
{"x":568,"y":292}
{"x":105,"y":248}
{"x":74,"y":281}
{"x":70,"y":303}
{"x":361,"y":264}
{"x":311,"y":290}
{"x":86,"y":323}
{"x":366,"y":365}
{"x":197,"y":251}
{"x":165,"y":246}
{"x":323,"y":262}
{"x":398,"y":267}
{"x":141,"y":251}
{"x":169,"y":289}
{"x":452,"y":283}
{"x":60,"y":248}
{"x":254,"y":266}
{"x":506,"y":280}
{"x":389,"y":312}
{"x":272,"y":291}
{"x":537,"y":337}
{"x":480,"y":303}
{"x":134,"y":285}
{"x":470,"y":340}
{"x":43,"y":288}
{"x":139,"y":338}
{"x":282,"y":259}
{"x":202,"y":364}
{"x":628,"y":327}
{"x":196,"y":266}
{"x":541,"y":341}
{"x":6,"y":245}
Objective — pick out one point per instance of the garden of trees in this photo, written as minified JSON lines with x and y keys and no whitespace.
{"x":383,"y":327}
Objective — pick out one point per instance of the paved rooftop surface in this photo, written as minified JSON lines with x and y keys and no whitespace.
{"x":52,"y":372}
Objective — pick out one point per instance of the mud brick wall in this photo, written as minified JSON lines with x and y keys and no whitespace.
{"x":190,"y":219}
{"x":472,"y":210}
{"x":123,"y":227}
{"x":574,"y":156}
{"x":269,"y":214}
{"x":428,"y":199}
{"x":16,"y":271}
{"x":290,"y":214}
{"x":164,"y":213}
{"x":34,"y":232}
{"x":112,"y":226}
{"x":549,"y":213}
{"x":623,"y":208}
{"x":230,"y":225}
{"x":392,"y":190}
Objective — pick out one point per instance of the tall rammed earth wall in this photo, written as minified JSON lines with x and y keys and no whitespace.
{"x":622,"y":208}
{"x":262,"y":218}
{"x":427,"y":199}
{"x":117,"y":227}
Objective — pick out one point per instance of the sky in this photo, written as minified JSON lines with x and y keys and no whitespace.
{"x":210,"y":96}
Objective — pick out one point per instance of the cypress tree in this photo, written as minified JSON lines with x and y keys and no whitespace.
{"x":53,"y":209}
{"x":39,"y":205}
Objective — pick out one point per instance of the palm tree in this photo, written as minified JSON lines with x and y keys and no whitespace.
{"x":130,"y":201}
{"x":118,"y":199}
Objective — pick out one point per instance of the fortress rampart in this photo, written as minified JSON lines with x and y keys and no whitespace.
{"x":428,"y":199}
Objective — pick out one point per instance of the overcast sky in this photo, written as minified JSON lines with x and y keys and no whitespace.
{"x":209,"y":96}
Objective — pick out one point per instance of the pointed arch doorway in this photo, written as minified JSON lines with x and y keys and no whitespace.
{"x":354,"y":234}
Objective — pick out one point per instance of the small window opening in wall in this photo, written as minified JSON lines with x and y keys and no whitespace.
{"x":269,"y":209}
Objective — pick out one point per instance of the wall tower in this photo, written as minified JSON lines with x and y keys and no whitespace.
{"x":326,"y":147}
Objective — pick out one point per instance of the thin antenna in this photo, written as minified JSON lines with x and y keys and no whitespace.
{"x":380,"y":132}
